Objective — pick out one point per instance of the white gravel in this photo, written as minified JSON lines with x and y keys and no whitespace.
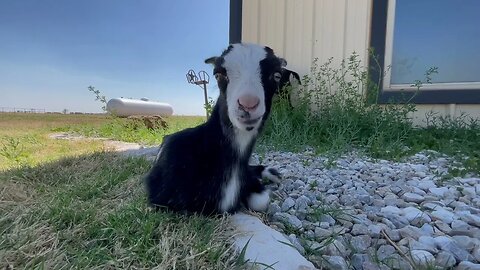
{"x":346,"y":207}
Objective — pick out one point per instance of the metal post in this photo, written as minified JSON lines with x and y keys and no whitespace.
{"x":201,"y":80}
{"x":206,"y":99}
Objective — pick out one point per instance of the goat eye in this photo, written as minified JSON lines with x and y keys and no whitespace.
{"x":221,"y":77}
{"x":277,"y":76}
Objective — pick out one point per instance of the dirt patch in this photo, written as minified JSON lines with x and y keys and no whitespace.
{"x":125,"y":148}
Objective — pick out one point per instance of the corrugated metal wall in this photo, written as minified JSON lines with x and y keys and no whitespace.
{"x":301,"y":30}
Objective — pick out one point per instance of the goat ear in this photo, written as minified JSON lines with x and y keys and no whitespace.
{"x":283,"y":62}
{"x":211,"y":60}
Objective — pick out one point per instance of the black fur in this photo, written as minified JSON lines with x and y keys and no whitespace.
{"x":283,"y":89}
{"x":195,"y":164}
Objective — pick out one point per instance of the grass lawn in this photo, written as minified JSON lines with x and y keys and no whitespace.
{"x":70,"y":204}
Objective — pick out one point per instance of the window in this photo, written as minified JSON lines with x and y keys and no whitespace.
{"x":410,"y":36}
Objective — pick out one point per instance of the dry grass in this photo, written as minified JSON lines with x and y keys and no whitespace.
{"x":20,"y":122}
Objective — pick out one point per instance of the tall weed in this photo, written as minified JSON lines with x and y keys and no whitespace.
{"x":333,"y":112}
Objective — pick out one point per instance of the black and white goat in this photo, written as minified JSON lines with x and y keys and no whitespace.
{"x":290,"y":80}
{"x":205,"y":169}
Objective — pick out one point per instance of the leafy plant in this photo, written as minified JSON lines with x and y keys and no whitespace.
{"x":333,"y":112}
{"x":209,"y":106}
{"x":13,"y":149}
{"x":99,"y":97}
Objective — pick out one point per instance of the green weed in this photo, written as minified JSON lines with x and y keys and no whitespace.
{"x":336,"y":111}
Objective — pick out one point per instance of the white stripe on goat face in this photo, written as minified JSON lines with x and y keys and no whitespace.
{"x":242,"y":64}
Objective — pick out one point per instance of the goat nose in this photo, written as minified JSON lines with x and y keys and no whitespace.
{"x":248,"y":102}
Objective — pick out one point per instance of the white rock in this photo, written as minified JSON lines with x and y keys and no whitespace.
{"x":466,"y":216}
{"x":336,"y":248}
{"x":324,"y":225}
{"x":448,"y":244}
{"x":411,"y":231}
{"x":471,"y":181}
{"x":264,"y":244}
{"x":427,"y":229}
{"x":385,"y":251}
{"x":466,"y":265}
{"x":466,"y":242}
{"x":427,"y":240}
{"x":361,"y":243}
{"x":426,"y":184}
{"x":322,"y":233}
{"x":288,"y":219}
{"x":374,"y":231}
{"x":469,"y":191}
{"x":459,"y":225}
{"x":419,"y":167}
{"x":287,"y":204}
{"x":335,"y":263}
{"x":422,"y":257}
{"x":432,"y":205}
{"x":416,"y":245}
{"x":445,"y":259}
{"x":476,"y":253}
{"x":412,"y":197}
{"x":359,"y":229}
{"x":415,"y":216}
{"x":392,"y":210}
{"x":443,"y":215}
{"x":439,"y":192}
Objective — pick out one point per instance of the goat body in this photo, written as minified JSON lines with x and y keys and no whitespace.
{"x":206,"y":169}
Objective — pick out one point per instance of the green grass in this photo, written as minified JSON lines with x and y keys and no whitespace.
{"x":90,"y":212}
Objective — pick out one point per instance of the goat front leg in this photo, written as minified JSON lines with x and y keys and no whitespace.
{"x":256,"y":196}
{"x":263,"y":172}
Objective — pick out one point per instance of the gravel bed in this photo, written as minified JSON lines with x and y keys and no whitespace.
{"x":355,"y":212}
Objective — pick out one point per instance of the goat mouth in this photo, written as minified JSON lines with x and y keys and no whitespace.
{"x":249,"y":122}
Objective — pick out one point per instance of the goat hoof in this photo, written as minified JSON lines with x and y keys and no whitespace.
{"x":259,"y":201}
{"x":272,"y":175}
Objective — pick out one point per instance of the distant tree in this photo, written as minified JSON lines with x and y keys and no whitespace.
{"x":64,"y":111}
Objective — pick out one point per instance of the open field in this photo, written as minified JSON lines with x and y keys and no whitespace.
{"x":71,"y":204}
{"x":24,"y":137}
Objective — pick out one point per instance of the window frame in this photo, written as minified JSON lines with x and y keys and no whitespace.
{"x":381,"y":41}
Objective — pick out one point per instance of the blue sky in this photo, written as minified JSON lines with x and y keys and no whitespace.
{"x":51,"y":51}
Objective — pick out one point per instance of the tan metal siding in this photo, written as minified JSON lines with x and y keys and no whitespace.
{"x":303,"y":30}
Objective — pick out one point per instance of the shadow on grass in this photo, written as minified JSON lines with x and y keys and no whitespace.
{"x":90,"y":212}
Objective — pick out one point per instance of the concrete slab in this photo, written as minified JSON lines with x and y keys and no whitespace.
{"x":265,"y":245}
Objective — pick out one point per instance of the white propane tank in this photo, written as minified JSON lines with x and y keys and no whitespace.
{"x":128,"y":107}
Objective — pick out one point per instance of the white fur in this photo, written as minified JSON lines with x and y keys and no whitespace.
{"x":230,"y":191}
{"x":244,"y":78}
{"x":243,"y":138}
{"x":267,"y":175}
{"x":293,"y":81}
{"x":259,"y":201}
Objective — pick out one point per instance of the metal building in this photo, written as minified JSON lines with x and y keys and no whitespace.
{"x":301,"y":30}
